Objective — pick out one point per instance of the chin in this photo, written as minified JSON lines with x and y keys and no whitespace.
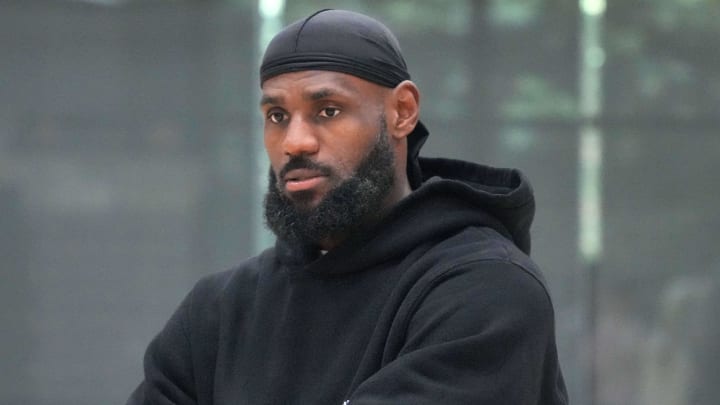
{"x":304,"y":200}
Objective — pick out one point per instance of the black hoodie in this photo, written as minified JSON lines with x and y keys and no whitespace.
{"x":438,"y":304}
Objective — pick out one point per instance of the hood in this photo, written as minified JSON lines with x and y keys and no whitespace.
{"x":452,"y":196}
{"x":504,"y":194}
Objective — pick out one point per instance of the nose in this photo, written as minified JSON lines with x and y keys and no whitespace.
{"x":300,"y":138}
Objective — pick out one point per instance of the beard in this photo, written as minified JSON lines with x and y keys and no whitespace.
{"x":346,"y":209}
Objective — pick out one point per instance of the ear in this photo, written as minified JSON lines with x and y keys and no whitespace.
{"x":405,"y":109}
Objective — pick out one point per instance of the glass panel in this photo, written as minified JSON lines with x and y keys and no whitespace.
{"x":659,"y":287}
{"x":114,"y":186}
{"x":660,"y":280}
{"x":663,"y":60}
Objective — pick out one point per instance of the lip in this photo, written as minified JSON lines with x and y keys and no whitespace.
{"x":302,"y":179}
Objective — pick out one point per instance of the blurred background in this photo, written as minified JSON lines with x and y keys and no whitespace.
{"x":131,"y":165}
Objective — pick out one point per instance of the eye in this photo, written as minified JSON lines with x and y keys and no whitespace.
{"x":329,"y":112}
{"x":276,"y":117}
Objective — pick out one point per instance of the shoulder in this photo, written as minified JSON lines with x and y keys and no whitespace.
{"x":480,"y":277}
{"x":214,"y":290}
{"x":247,"y":271}
{"x":481,"y":252}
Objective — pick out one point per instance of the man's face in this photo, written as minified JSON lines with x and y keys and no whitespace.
{"x":331,"y":162}
{"x":330,"y":118}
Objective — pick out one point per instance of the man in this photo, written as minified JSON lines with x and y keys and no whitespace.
{"x":394,"y":280}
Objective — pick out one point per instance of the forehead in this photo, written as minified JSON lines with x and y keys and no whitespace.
{"x":313,"y":84}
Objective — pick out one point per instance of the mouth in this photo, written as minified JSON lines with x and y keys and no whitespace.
{"x":302,"y":179}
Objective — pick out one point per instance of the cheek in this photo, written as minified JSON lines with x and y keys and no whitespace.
{"x":274,"y":152}
{"x":348,"y":156}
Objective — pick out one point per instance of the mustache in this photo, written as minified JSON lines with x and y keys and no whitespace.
{"x":303,"y":162}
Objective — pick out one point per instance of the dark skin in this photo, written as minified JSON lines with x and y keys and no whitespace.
{"x":333,"y":119}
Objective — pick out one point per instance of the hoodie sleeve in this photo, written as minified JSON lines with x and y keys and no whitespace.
{"x":482,"y":333}
{"x":167,"y":365}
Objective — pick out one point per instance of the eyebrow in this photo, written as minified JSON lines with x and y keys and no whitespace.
{"x":346,"y":90}
{"x":265,"y":100}
{"x":326,"y":92}
{"x":320,"y":94}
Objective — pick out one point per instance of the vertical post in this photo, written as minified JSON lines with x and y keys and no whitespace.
{"x":590,"y":161}
{"x":271,"y":20}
